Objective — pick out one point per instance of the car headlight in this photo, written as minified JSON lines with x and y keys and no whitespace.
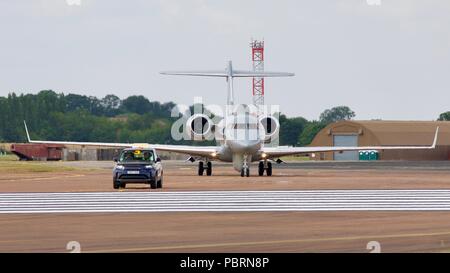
{"x":148,"y":166}
{"x":120,"y":167}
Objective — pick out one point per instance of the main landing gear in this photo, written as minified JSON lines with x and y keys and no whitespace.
{"x":202,"y":168}
{"x":265,"y":165}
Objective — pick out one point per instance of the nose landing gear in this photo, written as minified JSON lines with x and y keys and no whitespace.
{"x":245,"y":171}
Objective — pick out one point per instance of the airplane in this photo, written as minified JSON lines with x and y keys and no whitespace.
{"x":240,"y":151}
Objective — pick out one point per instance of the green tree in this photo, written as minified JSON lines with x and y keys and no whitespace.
{"x":110,"y":104}
{"x":444,"y":116}
{"x":336,"y":114}
{"x":136,"y":104}
{"x":290,"y":129}
{"x":76,"y":102}
{"x":55,"y":116}
{"x":310,"y":131}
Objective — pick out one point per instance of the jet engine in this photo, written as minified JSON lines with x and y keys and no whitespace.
{"x":199,"y":127}
{"x":271,"y":127}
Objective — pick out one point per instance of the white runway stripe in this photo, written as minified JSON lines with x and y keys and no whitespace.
{"x":227,"y":201}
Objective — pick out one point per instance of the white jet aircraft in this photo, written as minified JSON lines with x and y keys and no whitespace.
{"x":243,"y":134}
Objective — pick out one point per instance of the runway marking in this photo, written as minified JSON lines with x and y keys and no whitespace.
{"x":226,"y":201}
{"x":255,"y":243}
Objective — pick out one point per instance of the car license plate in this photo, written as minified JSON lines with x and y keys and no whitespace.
{"x":133,"y":172}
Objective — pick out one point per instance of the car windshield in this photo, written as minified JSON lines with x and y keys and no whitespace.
{"x":137,"y":156}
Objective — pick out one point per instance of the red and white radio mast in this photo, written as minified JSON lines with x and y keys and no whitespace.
{"x":258,"y":66}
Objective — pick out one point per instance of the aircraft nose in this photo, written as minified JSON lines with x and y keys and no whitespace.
{"x":249,"y":146}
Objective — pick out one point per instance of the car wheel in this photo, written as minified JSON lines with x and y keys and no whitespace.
{"x":116,"y":185}
{"x":153,"y":185}
{"x":159,"y":184}
{"x":123,"y":185}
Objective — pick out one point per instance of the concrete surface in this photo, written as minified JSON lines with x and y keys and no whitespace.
{"x":276,"y":231}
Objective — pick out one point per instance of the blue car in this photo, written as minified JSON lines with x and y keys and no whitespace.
{"x":138,"y":166}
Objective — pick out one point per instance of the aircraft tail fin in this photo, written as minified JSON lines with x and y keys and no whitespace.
{"x":229,"y":73}
{"x":263,"y":74}
{"x":210,"y":73}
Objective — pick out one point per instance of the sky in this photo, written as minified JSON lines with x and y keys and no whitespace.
{"x":385,"y":59}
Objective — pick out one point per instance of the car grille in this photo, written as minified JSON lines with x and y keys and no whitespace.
{"x":134,"y":176}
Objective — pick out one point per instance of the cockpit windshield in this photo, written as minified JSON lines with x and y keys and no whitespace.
{"x":137,"y":156}
{"x":243,"y":126}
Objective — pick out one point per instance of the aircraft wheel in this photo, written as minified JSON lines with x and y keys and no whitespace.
{"x":209,"y":169}
{"x":269,"y":169}
{"x":201,"y":168}
{"x":261,"y":168}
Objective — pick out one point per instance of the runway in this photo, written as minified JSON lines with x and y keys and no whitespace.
{"x":226,"y":201}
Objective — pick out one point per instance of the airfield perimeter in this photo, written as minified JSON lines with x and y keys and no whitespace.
{"x":347,"y":230}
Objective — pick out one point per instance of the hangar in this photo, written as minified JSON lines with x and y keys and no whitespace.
{"x":385,"y":133}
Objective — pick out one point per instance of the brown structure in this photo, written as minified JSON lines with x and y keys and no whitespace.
{"x":386,"y":133}
{"x":37,"y":151}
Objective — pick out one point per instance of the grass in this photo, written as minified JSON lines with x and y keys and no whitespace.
{"x":10,"y":164}
{"x":8,"y":157}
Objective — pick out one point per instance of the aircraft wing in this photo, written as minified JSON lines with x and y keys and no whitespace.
{"x":205,"y":151}
{"x":283,"y":151}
